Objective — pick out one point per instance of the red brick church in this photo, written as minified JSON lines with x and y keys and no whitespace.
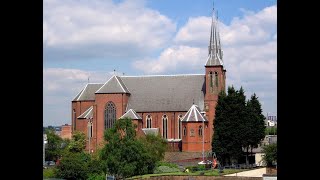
{"x":181,"y":108}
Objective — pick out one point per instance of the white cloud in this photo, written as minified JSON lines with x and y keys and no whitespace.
{"x":60,"y":86}
{"x":195,"y":32}
{"x":250,"y":52}
{"x":251,"y":29}
{"x":69,"y":81}
{"x":171,"y":59}
{"x":96,"y":28}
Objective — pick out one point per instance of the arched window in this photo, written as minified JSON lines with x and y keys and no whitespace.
{"x":216,"y":78}
{"x":200,"y":131}
{"x":149,"y":121}
{"x":184,"y":131}
{"x":165,"y":126}
{"x":109,"y":115}
{"x":179,"y":126}
{"x":211,"y":79}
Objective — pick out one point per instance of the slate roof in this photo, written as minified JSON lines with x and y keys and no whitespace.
{"x":154,"y":131}
{"x":87,"y":114}
{"x":87,"y":93}
{"x":131,"y":114}
{"x":165,"y":92}
{"x":193,"y":115}
{"x":155,"y":93}
{"x":215,"y":53}
{"x":113,"y":85}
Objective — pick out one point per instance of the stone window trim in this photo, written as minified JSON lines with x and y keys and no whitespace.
{"x":179,"y":126}
{"x":165,"y":126}
{"x":109,"y":115}
{"x":148,"y":121}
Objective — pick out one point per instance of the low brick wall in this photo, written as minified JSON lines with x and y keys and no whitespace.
{"x":204,"y":178}
{"x":271,"y":171}
{"x":269,"y":177}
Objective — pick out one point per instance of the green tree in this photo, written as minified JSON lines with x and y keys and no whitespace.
{"x":271,"y":130}
{"x":96,"y":166}
{"x":155,"y":144}
{"x":73,"y":166}
{"x":237,"y":125}
{"x":123,"y":154}
{"x":54,"y":147}
{"x":253,"y":127}
{"x":255,"y":122}
{"x":228,"y":135}
{"x":78,"y":142}
{"x":270,"y":156}
{"x":219,"y":145}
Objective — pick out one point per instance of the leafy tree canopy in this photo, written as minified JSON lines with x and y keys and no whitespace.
{"x":78,"y":142}
{"x":238,"y":124}
{"x":73,"y":166}
{"x":270,"y":156}
{"x":54,"y":147}
{"x":126,"y":156}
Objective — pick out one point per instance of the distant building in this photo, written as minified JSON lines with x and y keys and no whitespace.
{"x":271,"y":123}
{"x":271,"y":120}
{"x":57,"y":130}
{"x":66,"y":131}
{"x":257,"y":152}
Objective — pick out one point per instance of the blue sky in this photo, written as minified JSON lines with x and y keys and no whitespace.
{"x":85,"y":38}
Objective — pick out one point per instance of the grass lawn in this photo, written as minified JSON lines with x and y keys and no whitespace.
{"x":197,"y":173}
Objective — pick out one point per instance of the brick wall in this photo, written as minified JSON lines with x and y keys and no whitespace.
{"x":65,"y":132}
{"x":172,"y":127}
{"x":193,"y":142}
{"x":271,"y":171}
{"x":119,"y":100}
{"x":202,"y":178}
{"x":211,"y":96}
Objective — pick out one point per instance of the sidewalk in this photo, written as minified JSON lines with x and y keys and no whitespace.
{"x":251,"y":173}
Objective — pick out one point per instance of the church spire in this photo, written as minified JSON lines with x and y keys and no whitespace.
{"x":214,"y":48}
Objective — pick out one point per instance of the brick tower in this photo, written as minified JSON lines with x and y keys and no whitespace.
{"x":215,"y":73}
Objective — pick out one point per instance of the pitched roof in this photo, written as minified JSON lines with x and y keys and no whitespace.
{"x":165,"y":92}
{"x":87,"y":114}
{"x":131,"y":114}
{"x":87,"y":93}
{"x":154,"y":131}
{"x":193,"y":115}
{"x":113,"y":85}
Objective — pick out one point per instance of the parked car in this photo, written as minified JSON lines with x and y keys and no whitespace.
{"x":50,"y":163}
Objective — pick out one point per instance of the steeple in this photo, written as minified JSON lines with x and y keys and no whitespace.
{"x":214,"y":48}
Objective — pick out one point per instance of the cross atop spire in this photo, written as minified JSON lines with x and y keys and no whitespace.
{"x":214,"y":48}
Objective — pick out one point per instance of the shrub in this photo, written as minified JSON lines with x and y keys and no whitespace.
{"x":196,"y":168}
{"x":270,"y":154}
{"x":162,"y":163}
{"x":49,"y":173}
{"x":73,"y":166}
{"x":96,"y":176}
{"x":165,"y":169}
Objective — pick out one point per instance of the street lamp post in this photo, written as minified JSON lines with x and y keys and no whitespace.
{"x":44,"y":147}
{"x":203,"y":140}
